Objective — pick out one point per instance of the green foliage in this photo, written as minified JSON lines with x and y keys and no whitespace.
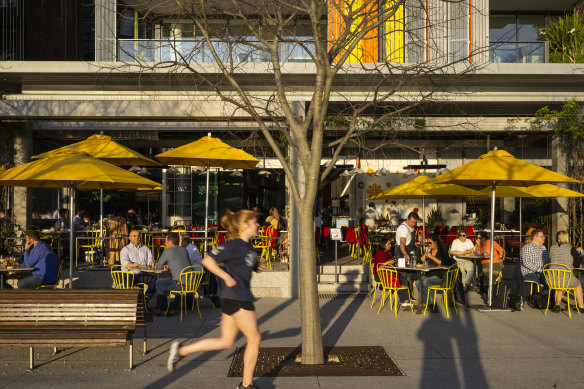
{"x":10,"y":229}
{"x":435,"y":218}
{"x":567,"y":120}
{"x":566,"y":38}
{"x":419,"y":123}
{"x":484,"y":215}
{"x":536,"y":214}
{"x":107,"y":196}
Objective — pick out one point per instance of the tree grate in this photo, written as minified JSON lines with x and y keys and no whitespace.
{"x":340,"y":361}
{"x":342,"y":295}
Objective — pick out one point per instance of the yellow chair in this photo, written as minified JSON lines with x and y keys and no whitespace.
{"x":190,"y":280}
{"x":123,"y":278}
{"x":374,"y":282}
{"x":93,"y":241}
{"x":389,"y":278}
{"x":531,"y":285}
{"x":54,"y":284}
{"x":450,"y":275}
{"x":558,"y":278}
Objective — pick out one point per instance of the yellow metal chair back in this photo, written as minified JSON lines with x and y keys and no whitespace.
{"x":558,"y":277}
{"x":179,"y":228}
{"x":190,"y":280}
{"x":451,"y":275}
{"x":389,"y":278}
{"x":374,"y":282}
{"x":122,"y":276}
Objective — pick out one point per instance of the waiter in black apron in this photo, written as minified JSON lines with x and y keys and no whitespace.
{"x":405,"y":237}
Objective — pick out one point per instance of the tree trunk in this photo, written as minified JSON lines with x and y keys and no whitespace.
{"x":312,"y":348}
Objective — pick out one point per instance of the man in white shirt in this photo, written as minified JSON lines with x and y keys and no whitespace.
{"x":462,"y":246}
{"x":370,"y":216}
{"x":404,"y":237}
{"x":135,"y":255}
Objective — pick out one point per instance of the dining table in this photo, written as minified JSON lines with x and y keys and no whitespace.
{"x":476,"y":258}
{"x":420,"y":269}
{"x":11,"y":269}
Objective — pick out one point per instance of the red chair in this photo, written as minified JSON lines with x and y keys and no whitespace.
{"x":451,"y":236}
{"x":469,"y":232}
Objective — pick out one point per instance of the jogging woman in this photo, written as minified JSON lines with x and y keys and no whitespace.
{"x":239,"y":259}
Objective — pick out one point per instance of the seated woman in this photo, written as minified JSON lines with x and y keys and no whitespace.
{"x":563,"y":253}
{"x":277,"y":222}
{"x":382,"y":257}
{"x":436,"y":255}
{"x":483,"y":247}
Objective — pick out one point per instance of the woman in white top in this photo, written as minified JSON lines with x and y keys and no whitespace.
{"x":462,"y":246}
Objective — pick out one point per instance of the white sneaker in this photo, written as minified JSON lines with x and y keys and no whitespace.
{"x":173,"y":356}
{"x":406,"y":305}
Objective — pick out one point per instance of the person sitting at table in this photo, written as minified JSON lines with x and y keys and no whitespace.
{"x":79,"y":221}
{"x":135,"y":255}
{"x":533,"y":257}
{"x":38,"y":255}
{"x":174,"y":258}
{"x":436,"y":255}
{"x":563,"y":253}
{"x":483,"y":247}
{"x":382,"y":257}
{"x":192,"y":250}
{"x":63,"y":223}
{"x":462,"y":246}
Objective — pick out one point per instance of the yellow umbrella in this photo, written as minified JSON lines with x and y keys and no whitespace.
{"x":538,"y":191}
{"x":424,"y":187}
{"x":73,"y":170}
{"x":106,"y":149}
{"x":499,"y":168}
{"x":208,"y":152}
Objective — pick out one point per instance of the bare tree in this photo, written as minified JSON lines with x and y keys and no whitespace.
{"x":365,"y":71}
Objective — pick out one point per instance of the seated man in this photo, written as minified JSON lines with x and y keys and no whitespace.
{"x":462,"y":246}
{"x":135,"y":255}
{"x":192,"y":250}
{"x":38,"y":255}
{"x":174,"y":258}
{"x":534,"y":257}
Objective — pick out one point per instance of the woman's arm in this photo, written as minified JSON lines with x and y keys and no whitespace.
{"x":214,"y":268}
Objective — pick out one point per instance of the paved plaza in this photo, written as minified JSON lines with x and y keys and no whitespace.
{"x":471,"y":349}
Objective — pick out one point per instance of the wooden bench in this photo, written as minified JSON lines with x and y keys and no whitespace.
{"x":68,"y":318}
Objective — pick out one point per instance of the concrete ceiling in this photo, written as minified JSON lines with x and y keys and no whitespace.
{"x":531,"y":5}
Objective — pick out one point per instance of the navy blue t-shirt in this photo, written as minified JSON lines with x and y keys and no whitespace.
{"x":239,"y":259}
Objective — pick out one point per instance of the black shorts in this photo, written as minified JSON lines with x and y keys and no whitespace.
{"x":229,"y":306}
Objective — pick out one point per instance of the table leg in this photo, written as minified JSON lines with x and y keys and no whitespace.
{"x":420,"y":305}
{"x":1,"y":280}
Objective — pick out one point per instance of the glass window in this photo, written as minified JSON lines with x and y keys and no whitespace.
{"x":458,"y":26}
{"x":503,"y":28}
{"x":528,"y":27}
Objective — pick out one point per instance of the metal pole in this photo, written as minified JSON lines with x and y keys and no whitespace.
{"x":207,"y":208}
{"x":164,"y":198}
{"x":493,"y":189}
{"x":520,"y":223}
{"x":423,"y":218}
{"x":71,"y":234}
{"x":336,"y":263}
{"x":101,"y":223}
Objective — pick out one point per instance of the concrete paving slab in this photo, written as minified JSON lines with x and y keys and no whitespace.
{"x":471,"y":349}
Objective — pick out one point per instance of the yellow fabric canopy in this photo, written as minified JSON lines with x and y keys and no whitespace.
{"x":209,"y":152}
{"x":425,"y":187}
{"x":542,"y":190}
{"x":106,"y":149}
{"x":498,"y":167}
{"x":73,"y":170}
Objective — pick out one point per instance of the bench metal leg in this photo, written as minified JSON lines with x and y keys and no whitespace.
{"x":31,"y":366}
{"x":145,"y":342}
{"x":131,"y":354}
{"x":54,"y":350}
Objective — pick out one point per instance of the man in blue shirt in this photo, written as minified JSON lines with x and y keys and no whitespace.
{"x":194,"y":253}
{"x":38,"y":255}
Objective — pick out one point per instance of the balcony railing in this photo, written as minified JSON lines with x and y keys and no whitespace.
{"x":519,"y":52}
{"x":197,"y":50}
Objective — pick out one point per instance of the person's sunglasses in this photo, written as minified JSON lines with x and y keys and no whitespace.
{"x":462,"y":235}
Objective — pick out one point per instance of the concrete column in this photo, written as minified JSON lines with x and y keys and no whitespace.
{"x":560,"y":217}
{"x":293,"y":228}
{"x":21,"y":199}
{"x":105,"y":30}
{"x":507,"y":208}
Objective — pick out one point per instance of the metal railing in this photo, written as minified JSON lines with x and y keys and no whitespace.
{"x":197,"y":50}
{"x":519,"y":52}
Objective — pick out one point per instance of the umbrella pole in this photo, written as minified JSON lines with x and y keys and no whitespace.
{"x":207,"y":209}
{"x":101,"y":223}
{"x":520,"y":223}
{"x":71,"y":235}
{"x":423,"y":218}
{"x":492,"y":244}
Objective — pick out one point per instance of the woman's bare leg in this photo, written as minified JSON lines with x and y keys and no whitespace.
{"x":228,"y":333}
{"x":247,"y":322}
{"x":579,"y":298}
{"x":559,"y":295}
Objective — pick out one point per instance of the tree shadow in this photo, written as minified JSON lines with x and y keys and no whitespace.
{"x":447,"y":341}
